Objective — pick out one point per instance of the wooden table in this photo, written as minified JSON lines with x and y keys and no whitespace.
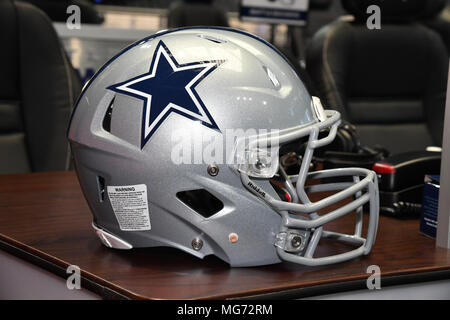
{"x":44,"y":219}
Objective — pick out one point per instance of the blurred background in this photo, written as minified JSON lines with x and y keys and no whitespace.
{"x":389,"y":83}
{"x":108,"y":26}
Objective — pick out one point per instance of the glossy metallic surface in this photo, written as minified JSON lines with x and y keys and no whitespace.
{"x":253,"y":89}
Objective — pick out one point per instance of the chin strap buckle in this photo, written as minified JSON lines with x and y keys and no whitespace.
{"x":292,"y":241}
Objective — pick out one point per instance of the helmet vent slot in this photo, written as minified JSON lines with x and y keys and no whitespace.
{"x":201,"y":201}
{"x":108,"y":115}
{"x":101,"y":188}
{"x":211,"y":38}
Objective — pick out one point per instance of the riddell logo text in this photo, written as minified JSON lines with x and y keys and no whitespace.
{"x":251,"y":185}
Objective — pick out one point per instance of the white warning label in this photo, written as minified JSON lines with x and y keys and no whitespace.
{"x":130,"y":206}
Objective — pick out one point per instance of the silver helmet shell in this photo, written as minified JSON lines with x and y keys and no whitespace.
{"x":208,"y":81}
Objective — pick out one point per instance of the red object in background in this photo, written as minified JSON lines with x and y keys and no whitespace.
{"x":383,"y":168}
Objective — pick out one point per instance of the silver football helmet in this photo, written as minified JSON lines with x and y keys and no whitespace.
{"x":176,"y":142}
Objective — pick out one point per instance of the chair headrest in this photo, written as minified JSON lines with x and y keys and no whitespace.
{"x":395,"y":10}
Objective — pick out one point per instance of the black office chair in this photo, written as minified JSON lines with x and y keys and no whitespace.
{"x":390,"y":83}
{"x":188,"y":13}
{"x":439,"y":20}
{"x":38,"y":87}
{"x":57,"y":10}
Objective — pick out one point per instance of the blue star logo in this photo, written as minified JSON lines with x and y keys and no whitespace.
{"x":168,"y":87}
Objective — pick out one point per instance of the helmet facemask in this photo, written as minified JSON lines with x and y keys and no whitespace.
{"x":299,"y":234}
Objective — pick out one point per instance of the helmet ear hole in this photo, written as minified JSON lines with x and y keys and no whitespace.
{"x":201,"y":201}
{"x":107,"y":118}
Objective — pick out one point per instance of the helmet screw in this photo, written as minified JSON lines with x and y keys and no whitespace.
{"x":213,"y":170}
{"x":233,"y":237}
{"x":197,"y":244}
{"x":259,"y":165}
{"x":296,"y":241}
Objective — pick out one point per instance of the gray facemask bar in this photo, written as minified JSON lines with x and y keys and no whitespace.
{"x":365,"y":190}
